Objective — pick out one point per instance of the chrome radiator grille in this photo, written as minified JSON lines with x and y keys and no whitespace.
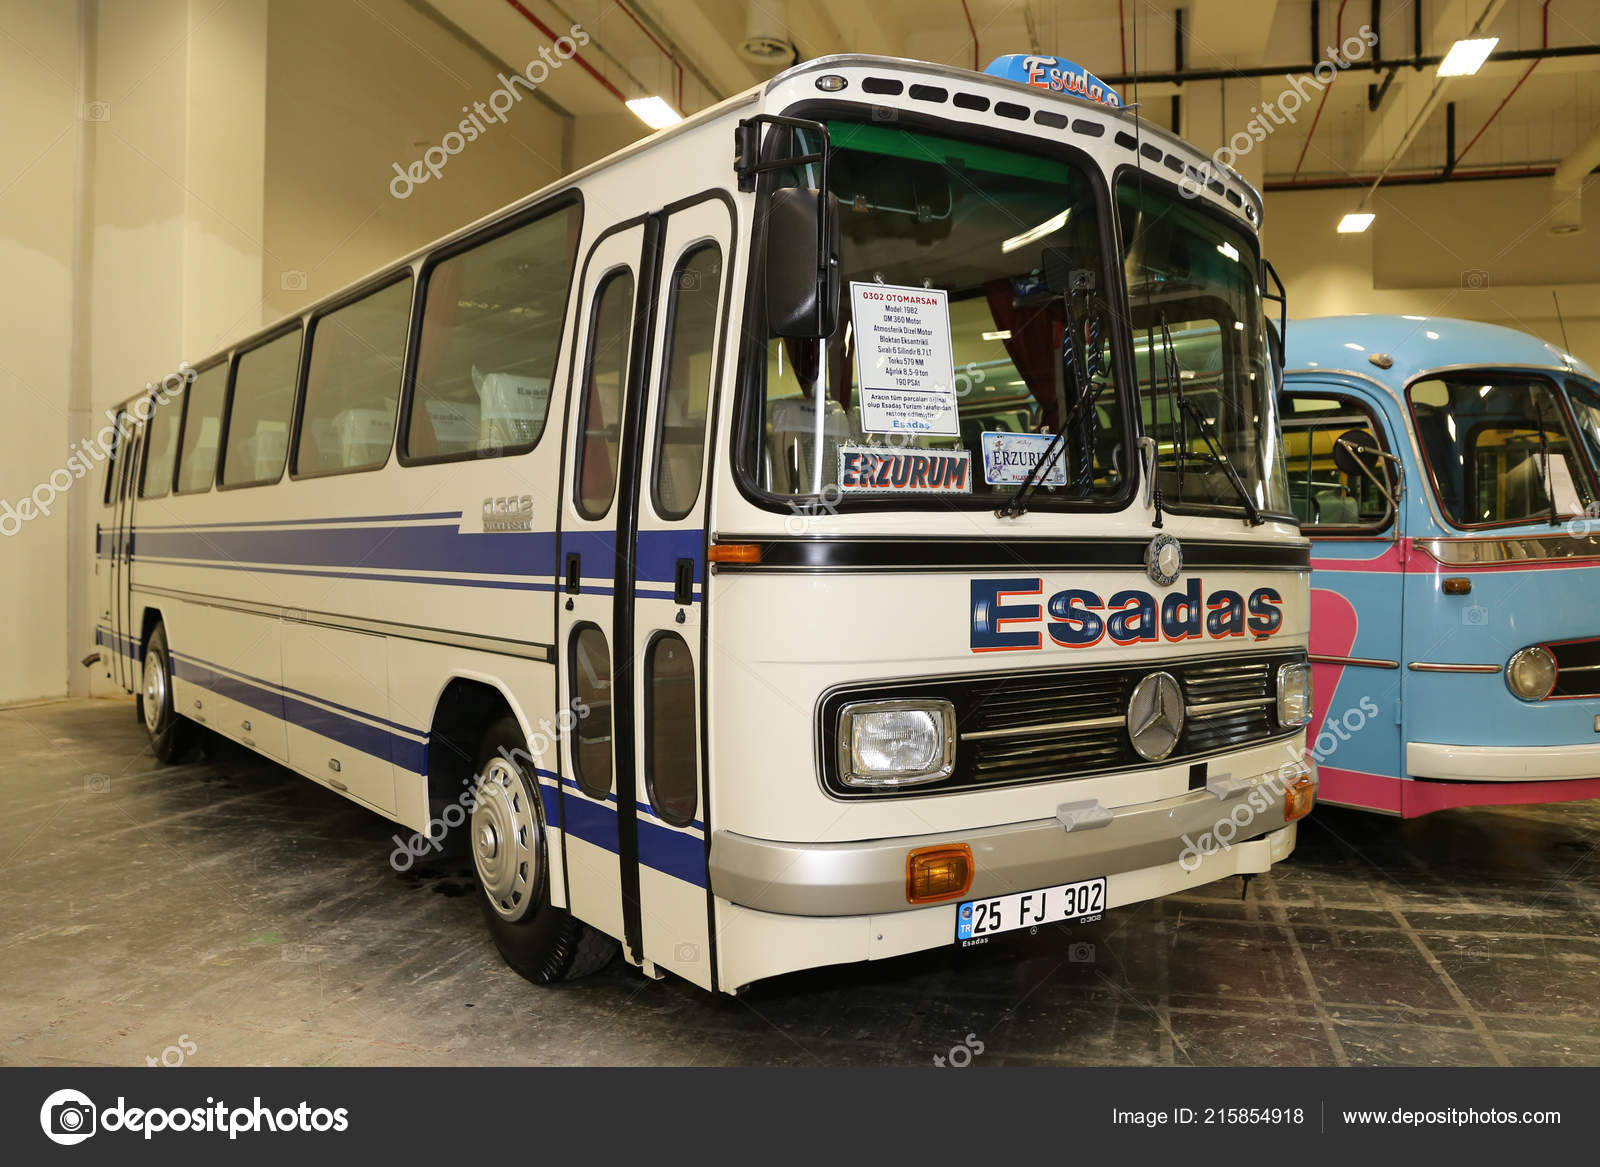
{"x":1042,"y":725}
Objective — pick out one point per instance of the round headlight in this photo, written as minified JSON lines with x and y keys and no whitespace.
{"x":1531,"y":673}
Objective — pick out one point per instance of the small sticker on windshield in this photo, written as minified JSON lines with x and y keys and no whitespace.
{"x":1008,"y":459}
{"x":890,"y":471}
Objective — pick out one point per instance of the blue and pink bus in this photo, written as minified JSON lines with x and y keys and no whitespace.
{"x":1446,"y":472}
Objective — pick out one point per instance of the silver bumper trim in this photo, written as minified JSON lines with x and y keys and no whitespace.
{"x":869,"y":878}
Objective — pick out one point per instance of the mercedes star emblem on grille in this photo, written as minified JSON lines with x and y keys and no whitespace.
{"x":1155,"y":716}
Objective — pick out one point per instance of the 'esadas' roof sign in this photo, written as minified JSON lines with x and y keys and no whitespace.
{"x":1056,"y":74}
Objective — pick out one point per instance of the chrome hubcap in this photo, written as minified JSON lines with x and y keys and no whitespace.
{"x":155,"y":691}
{"x":505,"y":834}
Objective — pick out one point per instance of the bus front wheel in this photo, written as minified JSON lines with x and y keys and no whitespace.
{"x":170,"y":732}
{"x":510,"y":859}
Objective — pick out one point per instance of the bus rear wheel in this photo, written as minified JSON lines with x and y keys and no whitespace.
{"x":542,"y":942}
{"x":170,"y":732}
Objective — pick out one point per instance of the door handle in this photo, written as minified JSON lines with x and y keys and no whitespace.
{"x":683,"y":582}
{"x":572,"y":573}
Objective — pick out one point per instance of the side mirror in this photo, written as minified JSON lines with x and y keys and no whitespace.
{"x":1356,"y":454}
{"x":802,"y":264}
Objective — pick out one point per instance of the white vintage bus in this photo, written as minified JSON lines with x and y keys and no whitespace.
{"x":849,"y":522}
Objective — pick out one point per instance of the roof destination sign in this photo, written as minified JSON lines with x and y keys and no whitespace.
{"x":903,"y":360}
{"x":1056,"y":74}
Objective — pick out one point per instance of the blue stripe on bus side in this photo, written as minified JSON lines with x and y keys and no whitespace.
{"x":288,"y":705}
{"x":424,"y":548}
{"x":434,"y":547}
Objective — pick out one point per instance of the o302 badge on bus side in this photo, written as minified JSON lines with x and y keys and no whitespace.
{"x":892,"y":471}
{"x":508,"y":513}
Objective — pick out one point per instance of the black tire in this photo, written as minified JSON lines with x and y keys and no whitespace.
{"x":541,"y":942}
{"x":171,"y":734}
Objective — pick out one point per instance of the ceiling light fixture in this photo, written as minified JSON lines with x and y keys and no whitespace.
{"x":654,"y":112}
{"x":1466,"y":57}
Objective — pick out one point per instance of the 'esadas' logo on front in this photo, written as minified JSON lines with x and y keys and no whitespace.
{"x":1005,"y":619}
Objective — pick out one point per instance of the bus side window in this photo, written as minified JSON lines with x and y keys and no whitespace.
{"x":258,"y":412}
{"x":353,"y":383}
{"x":691,"y":335}
{"x":1320,"y":494}
{"x":672,"y":742}
{"x":202,"y":424}
{"x":113,"y":491}
{"x":591,"y":679}
{"x":161,"y":448}
{"x":491,"y":333}
{"x":600,"y":410}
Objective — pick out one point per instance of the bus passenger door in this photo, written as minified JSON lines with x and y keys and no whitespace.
{"x":1357,"y":596}
{"x":124,"y":645}
{"x":607,"y":366}
{"x":668,"y":805}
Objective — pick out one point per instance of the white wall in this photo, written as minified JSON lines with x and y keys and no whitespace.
{"x":353,"y":89}
{"x":38,"y":170}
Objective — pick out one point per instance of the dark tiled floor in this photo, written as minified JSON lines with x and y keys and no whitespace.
{"x":234,"y":907}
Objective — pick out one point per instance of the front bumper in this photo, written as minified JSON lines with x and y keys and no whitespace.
{"x":869,"y":878}
{"x":1502,"y":763}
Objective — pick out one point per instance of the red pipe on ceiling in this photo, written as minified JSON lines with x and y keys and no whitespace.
{"x":1338,"y":29}
{"x":549,"y":32}
{"x":629,"y":13}
{"x":1544,"y":44}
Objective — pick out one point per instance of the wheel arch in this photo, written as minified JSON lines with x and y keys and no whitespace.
{"x":467,"y":705}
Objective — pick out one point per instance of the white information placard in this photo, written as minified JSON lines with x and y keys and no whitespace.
{"x":903,"y":361}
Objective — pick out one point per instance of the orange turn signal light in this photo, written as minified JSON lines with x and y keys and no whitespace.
{"x":1298,"y":798}
{"x":1457,"y":585}
{"x":735,"y":553}
{"x":938,"y":873}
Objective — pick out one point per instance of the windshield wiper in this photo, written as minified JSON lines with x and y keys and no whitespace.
{"x":1252,"y":513}
{"x":1074,"y":367}
{"x":1544,"y":456}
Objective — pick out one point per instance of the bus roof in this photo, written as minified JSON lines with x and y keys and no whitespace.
{"x":1416,"y":345}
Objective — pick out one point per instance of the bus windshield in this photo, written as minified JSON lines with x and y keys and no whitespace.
{"x":1206,"y":393}
{"x":1500,"y":448}
{"x":920,"y":211}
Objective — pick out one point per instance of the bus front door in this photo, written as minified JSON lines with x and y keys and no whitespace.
{"x":668,"y":807}
{"x":1357,"y":596}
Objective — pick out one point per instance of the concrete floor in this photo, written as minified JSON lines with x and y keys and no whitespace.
{"x":229,"y":912}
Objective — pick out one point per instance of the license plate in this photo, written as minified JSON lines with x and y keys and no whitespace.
{"x":1074,"y":903}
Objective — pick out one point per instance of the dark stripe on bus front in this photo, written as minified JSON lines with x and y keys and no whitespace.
{"x":996,"y":554}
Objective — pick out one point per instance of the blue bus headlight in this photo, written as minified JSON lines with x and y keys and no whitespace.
{"x":1531,"y":673}
{"x":1294,"y":694}
{"x":896,"y":743}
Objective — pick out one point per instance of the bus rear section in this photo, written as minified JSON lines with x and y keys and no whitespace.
{"x":1449,"y":486}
